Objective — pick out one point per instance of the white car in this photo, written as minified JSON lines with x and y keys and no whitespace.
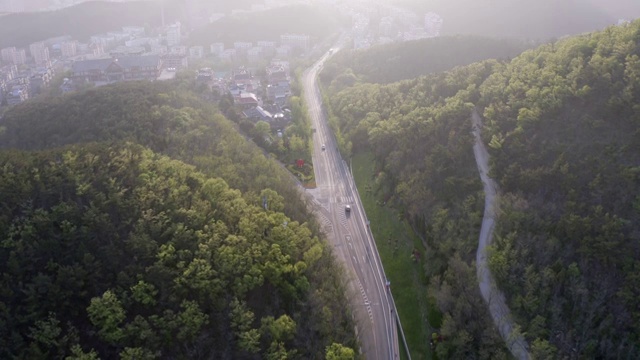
{"x":323,"y":147}
{"x":347,"y":208}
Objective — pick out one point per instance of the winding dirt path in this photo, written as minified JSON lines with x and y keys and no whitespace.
{"x":492,"y":295}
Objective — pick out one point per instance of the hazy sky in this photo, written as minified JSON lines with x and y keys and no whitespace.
{"x":538,"y":19}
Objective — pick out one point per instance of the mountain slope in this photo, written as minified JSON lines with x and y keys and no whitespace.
{"x":160,"y":116}
{"x":119,"y":252}
{"x":562,"y":127}
{"x":112,"y":246}
{"x":408,"y":60}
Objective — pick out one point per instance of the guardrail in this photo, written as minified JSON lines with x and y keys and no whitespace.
{"x":394,"y":309}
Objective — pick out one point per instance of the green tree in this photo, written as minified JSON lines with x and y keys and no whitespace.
{"x":107,"y":314}
{"x":339,"y":352}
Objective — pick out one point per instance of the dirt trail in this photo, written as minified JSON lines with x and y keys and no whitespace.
{"x":490,"y":292}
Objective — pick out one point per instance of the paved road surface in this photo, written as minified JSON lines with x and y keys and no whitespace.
{"x":490,"y":292}
{"x":349,"y":233}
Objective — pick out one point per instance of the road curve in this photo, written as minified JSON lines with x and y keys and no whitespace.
{"x":349,"y":233}
{"x":492,"y":295}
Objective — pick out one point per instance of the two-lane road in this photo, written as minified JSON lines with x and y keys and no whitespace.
{"x":349,"y":233}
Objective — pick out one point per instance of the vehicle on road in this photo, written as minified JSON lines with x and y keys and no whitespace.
{"x":347,"y":208}
{"x":323,"y":147}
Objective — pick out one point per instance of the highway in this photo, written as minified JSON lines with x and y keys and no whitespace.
{"x":349,"y":233}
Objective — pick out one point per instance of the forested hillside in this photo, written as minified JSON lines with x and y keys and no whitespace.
{"x":562,"y":123}
{"x":160,"y":116}
{"x":114,"y":247}
{"x":408,"y":60}
{"x":80,"y":21}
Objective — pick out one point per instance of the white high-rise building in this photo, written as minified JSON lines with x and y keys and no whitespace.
{"x":69,"y":49}
{"x":173,"y":34}
{"x":299,"y":41}
{"x":7,"y":54}
{"x":40,"y":53}
{"x":14,"y":56}
{"x":196,"y":52}
{"x":217,"y":48}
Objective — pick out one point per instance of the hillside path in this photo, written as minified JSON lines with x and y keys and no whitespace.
{"x":492,"y":295}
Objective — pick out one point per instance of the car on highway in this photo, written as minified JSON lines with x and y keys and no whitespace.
{"x":323,"y":147}
{"x":347,"y":208}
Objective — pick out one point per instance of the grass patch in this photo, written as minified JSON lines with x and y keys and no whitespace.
{"x":304,"y":174}
{"x":396,"y":244}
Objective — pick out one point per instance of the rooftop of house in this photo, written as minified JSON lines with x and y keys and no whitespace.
{"x":246,"y":98}
{"x":92,"y":64}
{"x":141,"y":61}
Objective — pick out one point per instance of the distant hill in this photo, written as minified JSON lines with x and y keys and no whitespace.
{"x":620,"y":9}
{"x":408,"y":60}
{"x":315,"y":21}
{"x":542,"y":19}
{"x":80,"y":22}
{"x":220,"y":6}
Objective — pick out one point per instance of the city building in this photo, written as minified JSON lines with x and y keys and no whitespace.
{"x":40,"y":53}
{"x":173,"y":34}
{"x":133,"y":30}
{"x":217,"y":48}
{"x":14,"y":56}
{"x":40,"y":80}
{"x":242,"y":47}
{"x":105,"y":71}
{"x":179,"y":50}
{"x":142,"y":41}
{"x":268,"y":47}
{"x":387,"y":27}
{"x":12,"y":6}
{"x":122,"y":51}
{"x":18,"y":92}
{"x":196,"y":52}
{"x":159,"y":49}
{"x":254,"y":54}
{"x":283,"y":51}
{"x":69,"y":49}
{"x":277,"y":73}
{"x":7,"y":54}
{"x":228,"y":55}
{"x":246,"y":100}
{"x":103,"y":40}
{"x":119,"y":36}
{"x":295,"y":41}
{"x":67,"y":86}
{"x":175,"y":61}
{"x":283,"y":63}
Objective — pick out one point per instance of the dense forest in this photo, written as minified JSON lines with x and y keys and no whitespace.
{"x":314,"y":20}
{"x":80,"y":21}
{"x":408,"y":60}
{"x":562,"y":124}
{"x":137,"y":223}
{"x":165,"y":118}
